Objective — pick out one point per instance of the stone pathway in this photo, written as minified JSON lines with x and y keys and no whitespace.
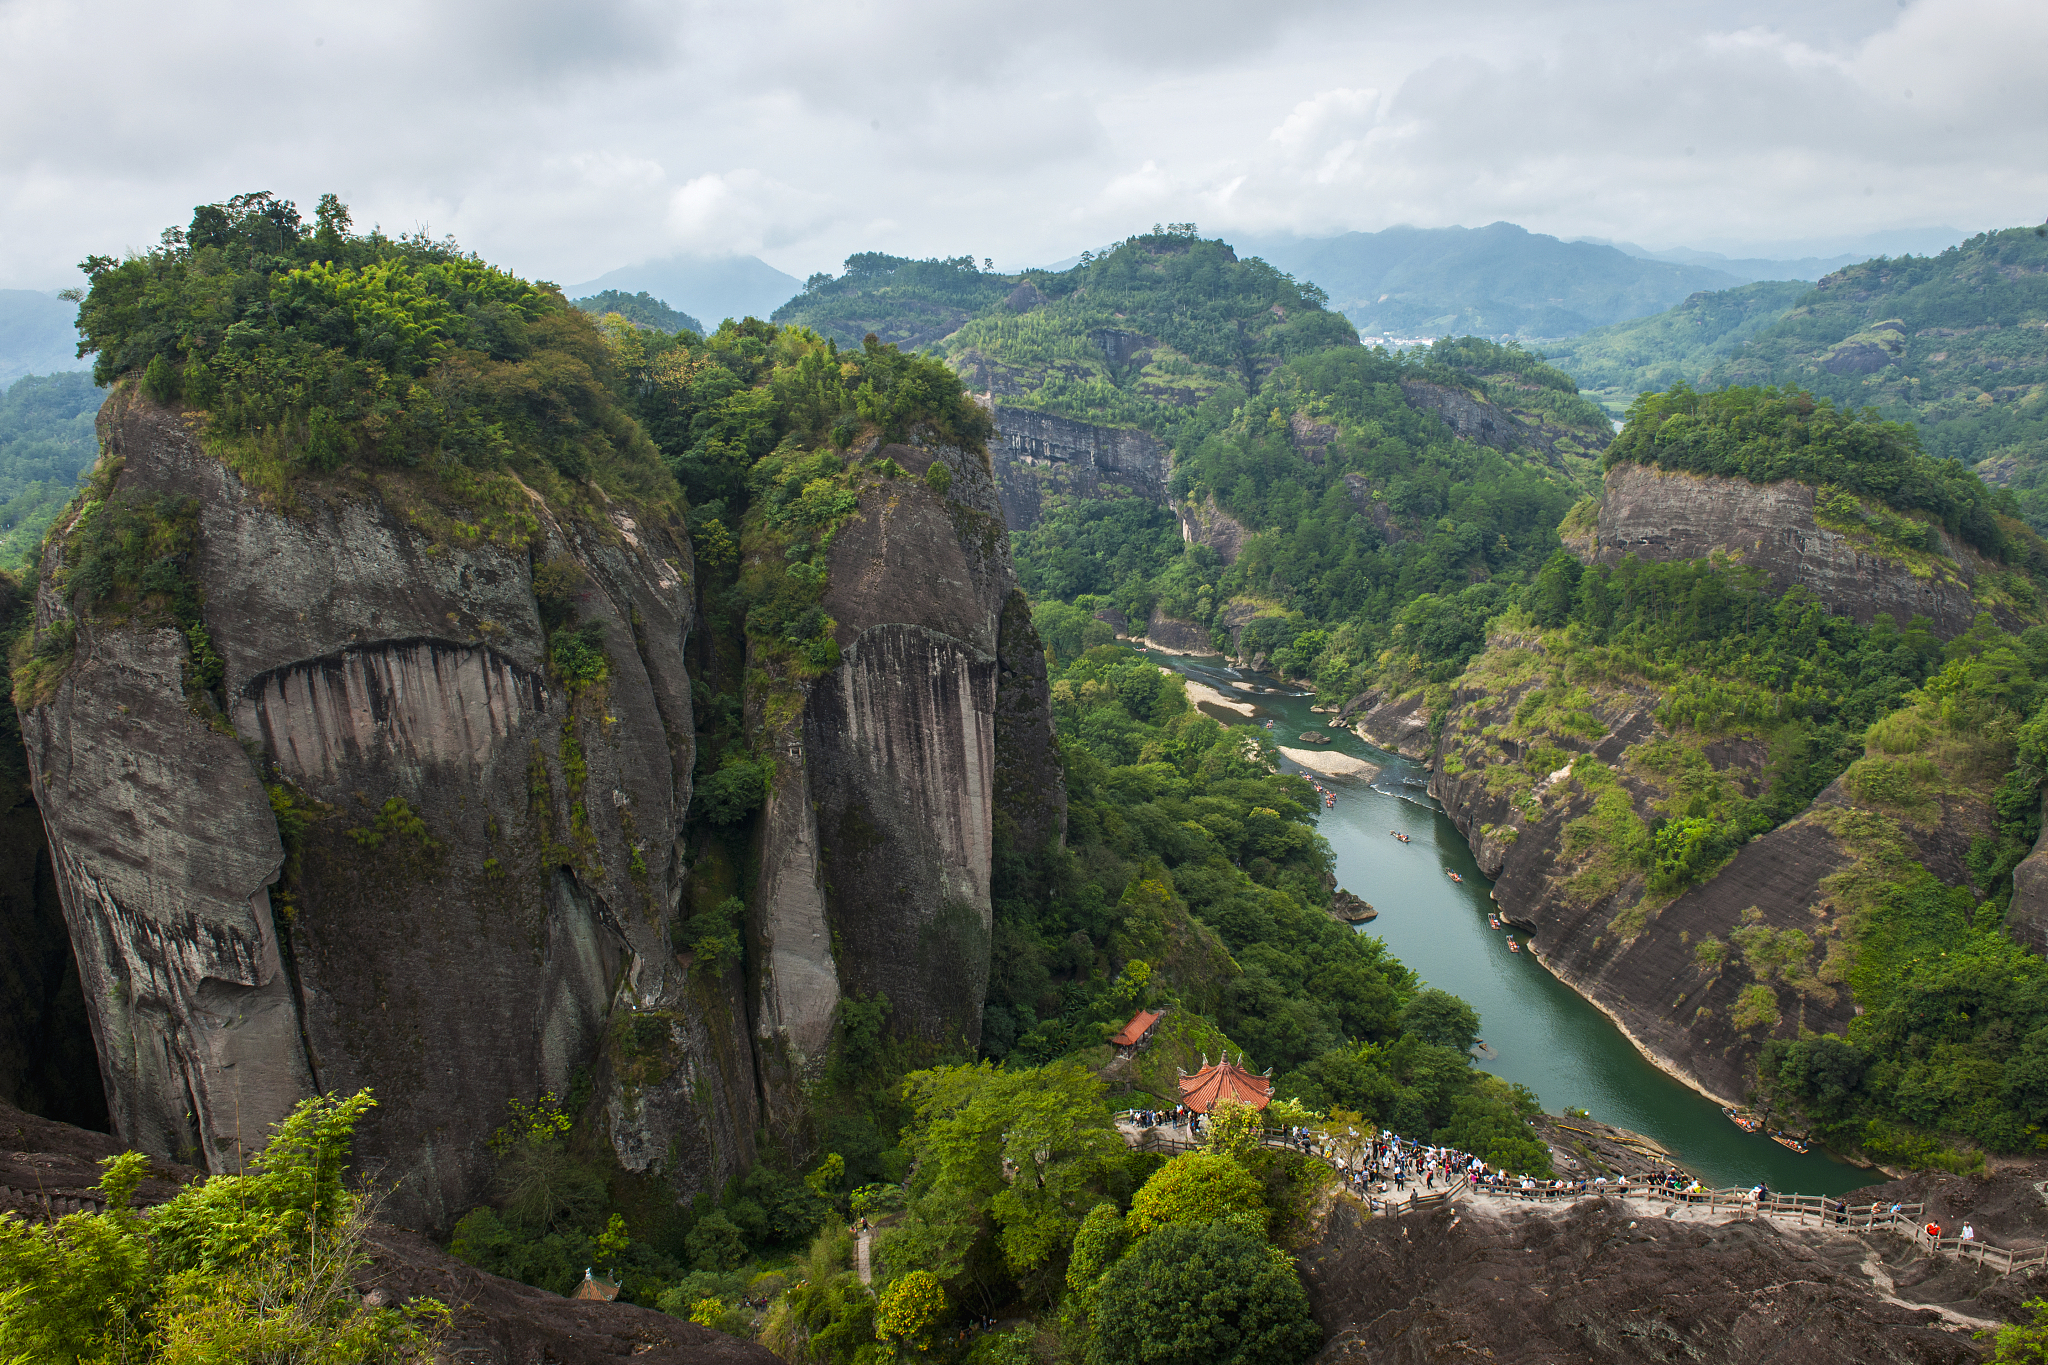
{"x":860,"y":1258}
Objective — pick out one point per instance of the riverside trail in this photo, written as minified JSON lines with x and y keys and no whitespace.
{"x":1538,"y":1031}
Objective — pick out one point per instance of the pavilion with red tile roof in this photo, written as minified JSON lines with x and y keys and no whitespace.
{"x":1224,"y":1080}
{"x":1138,"y":1030}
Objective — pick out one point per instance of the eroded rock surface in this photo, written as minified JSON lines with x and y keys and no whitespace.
{"x":1398,"y":724}
{"x":2027,"y":917}
{"x":1039,"y":455}
{"x":1176,"y":636}
{"x":478,"y":955}
{"x":1658,"y":515}
{"x":1205,"y":523}
{"x":1671,"y":972}
{"x":1469,"y":418}
{"x":1599,"y":1281}
{"x":899,"y":772}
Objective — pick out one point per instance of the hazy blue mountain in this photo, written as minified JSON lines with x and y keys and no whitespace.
{"x":1497,"y":281}
{"x":709,"y":287}
{"x":36,"y":335}
{"x":1808,"y":260}
{"x":1748,"y":269}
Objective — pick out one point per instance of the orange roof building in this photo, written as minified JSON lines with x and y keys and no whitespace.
{"x":1139,"y":1029}
{"x":1224,"y":1080}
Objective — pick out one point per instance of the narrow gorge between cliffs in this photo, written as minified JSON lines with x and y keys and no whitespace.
{"x":1538,"y":1031}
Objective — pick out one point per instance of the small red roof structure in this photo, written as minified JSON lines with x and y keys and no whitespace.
{"x":1224,"y":1080}
{"x":1139,"y":1029}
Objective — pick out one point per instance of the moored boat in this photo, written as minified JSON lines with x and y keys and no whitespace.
{"x":1743,"y":1119}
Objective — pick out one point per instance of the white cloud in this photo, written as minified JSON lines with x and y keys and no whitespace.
{"x":567,"y":141}
{"x":742,"y":211}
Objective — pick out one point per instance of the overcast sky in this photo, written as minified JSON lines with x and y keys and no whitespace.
{"x":563,"y":140}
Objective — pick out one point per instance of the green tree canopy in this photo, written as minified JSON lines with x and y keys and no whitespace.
{"x":1195,"y":1188}
{"x":1203,"y":1295}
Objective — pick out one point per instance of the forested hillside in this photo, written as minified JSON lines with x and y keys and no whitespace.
{"x":1680,"y":345}
{"x":1135,"y":337}
{"x":46,"y":448}
{"x":1494,"y":281}
{"x":1956,"y":343}
{"x":641,"y":309}
{"x":1393,"y":507}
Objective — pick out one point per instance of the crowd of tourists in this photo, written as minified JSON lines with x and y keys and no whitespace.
{"x":1180,"y":1117}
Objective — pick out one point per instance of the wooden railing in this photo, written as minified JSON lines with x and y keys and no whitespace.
{"x":1907,"y":1219}
{"x":1416,"y":1200}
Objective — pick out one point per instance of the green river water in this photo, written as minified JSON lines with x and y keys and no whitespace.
{"x":1540,"y":1032}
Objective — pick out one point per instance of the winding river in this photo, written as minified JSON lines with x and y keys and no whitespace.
{"x":1538,"y":1031}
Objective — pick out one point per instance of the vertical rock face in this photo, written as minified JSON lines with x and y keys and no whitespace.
{"x":1470,"y":418}
{"x":47,"y":1060}
{"x":1207,"y":524}
{"x":2026,"y":918}
{"x":1658,"y":515}
{"x":394,"y":848}
{"x":903,"y":769}
{"x":1037,"y":455}
{"x":484,"y":866}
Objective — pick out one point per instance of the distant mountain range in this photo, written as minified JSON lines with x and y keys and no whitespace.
{"x":36,"y":335}
{"x":1496,"y":281}
{"x":1682,"y":344}
{"x":1955,"y":343}
{"x":1504,"y":281}
{"x":712,"y":288}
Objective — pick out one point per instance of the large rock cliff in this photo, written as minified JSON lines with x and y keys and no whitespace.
{"x":476,"y":868}
{"x":1658,"y":515}
{"x":1540,"y":774}
{"x":1038,"y":455}
{"x":901,"y":773}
